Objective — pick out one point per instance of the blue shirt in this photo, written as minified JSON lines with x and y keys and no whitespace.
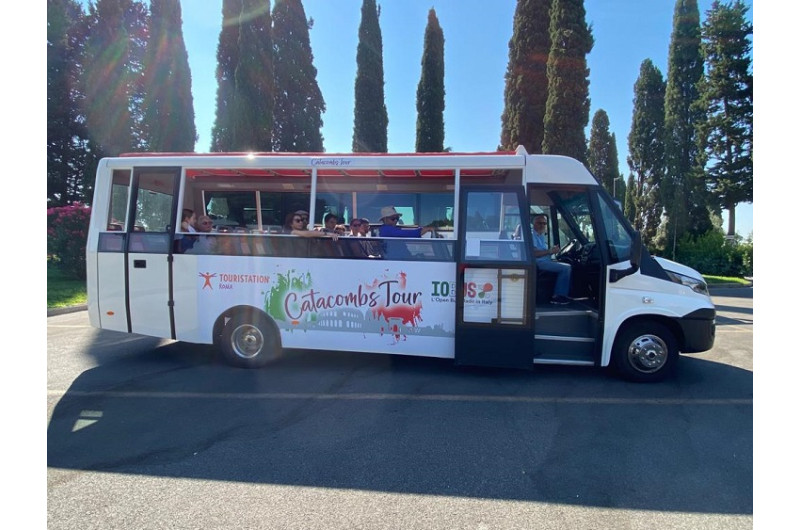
{"x":540,"y":243}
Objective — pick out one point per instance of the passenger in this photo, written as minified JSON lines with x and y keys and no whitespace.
{"x":202,"y":244}
{"x":188,"y":221}
{"x":359,"y":227}
{"x":329,"y":223}
{"x":542,"y":254}
{"x":295,"y":225}
{"x":304,"y":215}
{"x":389,"y":217}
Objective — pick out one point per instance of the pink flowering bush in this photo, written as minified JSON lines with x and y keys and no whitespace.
{"x":67,"y":229}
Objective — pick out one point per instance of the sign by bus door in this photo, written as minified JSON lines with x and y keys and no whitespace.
{"x":495,"y":279}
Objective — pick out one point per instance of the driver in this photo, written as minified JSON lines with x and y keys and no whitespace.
{"x":542,"y":254}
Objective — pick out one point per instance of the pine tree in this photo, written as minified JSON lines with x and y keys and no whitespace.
{"x":646,"y":154}
{"x":684,"y":188}
{"x":254,"y":80}
{"x":371,"y":119}
{"x":430,"y":90}
{"x":603,"y":159}
{"x":227,"y":59}
{"x":168,"y":105}
{"x":725,"y":136}
{"x":526,"y":77}
{"x":567,"y":112}
{"x":298,"y":100}
{"x":66,"y":136}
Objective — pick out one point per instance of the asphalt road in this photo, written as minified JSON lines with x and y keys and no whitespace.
{"x":154,"y":434}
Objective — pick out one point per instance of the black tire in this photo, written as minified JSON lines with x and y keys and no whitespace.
{"x":250,"y":340}
{"x":645,"y":352}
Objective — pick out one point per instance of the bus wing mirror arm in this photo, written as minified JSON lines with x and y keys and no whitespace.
{"x":636,"y":260}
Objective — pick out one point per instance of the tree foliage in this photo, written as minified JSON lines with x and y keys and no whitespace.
{"x":684,"y":186}
{"x":603,"y":160}
{"x":227,"y":59}
{"x":109,"y":77}
{"x":168,"y":108}
{"x":371,"y":121}
{"x":253,"y":99}
{"x":725,"y":135}
{"x":567,"y":112}
{"x":646,"y":154}
{"x":66,"y":134}
{"x":298,"y":100}
{"x":430,"y":90}
{"x":526,"y":77}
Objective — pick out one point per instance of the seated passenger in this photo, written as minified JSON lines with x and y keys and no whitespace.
{"x":542,"y":254}
{"x":329,"y":223}
{"x":389,"y":217}
{"x":202,"y":244}
{"x":294,"y":225}
{"x":188,"y":221}
{"x":359,"y":227}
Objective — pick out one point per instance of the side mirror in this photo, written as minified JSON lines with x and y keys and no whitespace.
{"x":616,"y":275}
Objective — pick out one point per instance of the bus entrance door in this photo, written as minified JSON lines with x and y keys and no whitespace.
{"x":149,"y":252}
{"x":494,"y":285}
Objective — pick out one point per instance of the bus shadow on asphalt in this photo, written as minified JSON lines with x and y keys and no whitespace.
{"x":417,"y":425}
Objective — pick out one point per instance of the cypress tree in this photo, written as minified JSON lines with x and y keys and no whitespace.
{"x":603,"y":159}
{"x":684,"y":187}
{"x":168,"y":105}
{"x":108,"y":84}
{"x":298,"y":100}
{"x":526,"y":77}
{"x":430,"y":91}
{"x":646,"y":154}
{"x":371,"y":119}
{"x":629,"y":209}
{"x":66,"y":136}
{"x":254,"y":81}
{"x":725,"y":136}
{"x":567,"y":112}
{"x":227,"y":59}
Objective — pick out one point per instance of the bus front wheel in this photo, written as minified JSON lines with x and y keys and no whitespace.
{"x":645,"y":352}
{"x":250,"y":341}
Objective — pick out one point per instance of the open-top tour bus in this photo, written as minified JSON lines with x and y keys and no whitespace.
{"x":469,"y":290}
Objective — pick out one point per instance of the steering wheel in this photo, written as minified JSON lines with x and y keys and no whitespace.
{"x":567,"y":250}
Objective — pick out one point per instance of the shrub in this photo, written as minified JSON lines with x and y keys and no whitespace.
{"x":67,"y":229}
{"x":712,"y":254}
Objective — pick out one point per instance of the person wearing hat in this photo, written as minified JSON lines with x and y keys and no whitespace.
{"x":389,"y":217}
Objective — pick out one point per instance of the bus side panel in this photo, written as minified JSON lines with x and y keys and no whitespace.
{"x":111,"y":291}
{"x":350,"y":305}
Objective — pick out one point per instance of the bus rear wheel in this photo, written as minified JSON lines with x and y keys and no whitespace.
{"x":645,"y":352}
{"x":250,"y":341}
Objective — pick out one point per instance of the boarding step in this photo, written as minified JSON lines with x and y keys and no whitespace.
{"x":566,"y":335}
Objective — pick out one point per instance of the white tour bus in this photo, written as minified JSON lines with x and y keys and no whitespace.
{"x":469,"y":290}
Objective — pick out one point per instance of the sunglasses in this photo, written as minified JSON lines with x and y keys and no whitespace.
{"x":355,"y":224}
{"x":297,"y":220}
{"x":393,"y":218}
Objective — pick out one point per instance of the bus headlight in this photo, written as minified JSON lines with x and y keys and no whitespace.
{"x":698,"y":286}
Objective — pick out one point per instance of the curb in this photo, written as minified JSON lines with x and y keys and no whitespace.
{"x":64,"y":310}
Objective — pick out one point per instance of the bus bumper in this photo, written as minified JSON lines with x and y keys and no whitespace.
{"x":699,"y":328}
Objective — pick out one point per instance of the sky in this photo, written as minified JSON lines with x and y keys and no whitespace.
{"x":476,"y":35}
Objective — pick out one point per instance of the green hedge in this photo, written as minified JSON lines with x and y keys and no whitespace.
{"x":713,"y":254}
